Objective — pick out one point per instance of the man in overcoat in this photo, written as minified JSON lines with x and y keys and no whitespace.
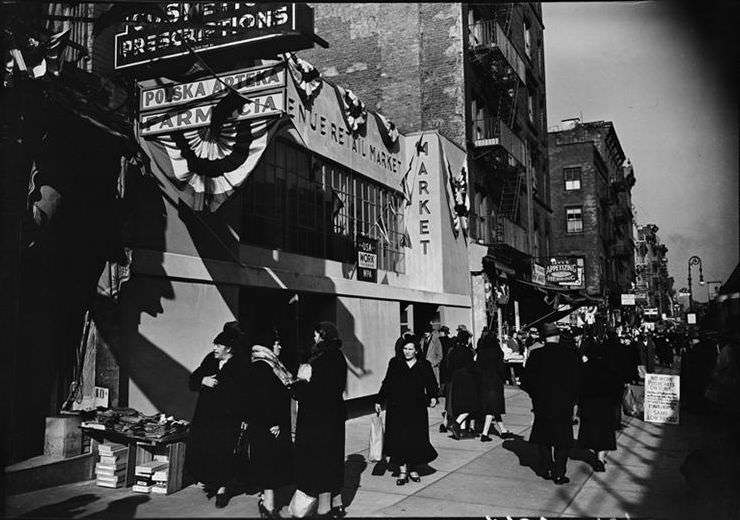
{"x":551,"y":378}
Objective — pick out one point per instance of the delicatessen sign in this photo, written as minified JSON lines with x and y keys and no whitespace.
{"x":208,"y":26}
{"x":567,"y":272}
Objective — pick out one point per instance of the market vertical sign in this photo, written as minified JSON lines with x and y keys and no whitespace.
{"x":367,"y":259}
{"x":165,"y":106}
{"x":210,"y":27}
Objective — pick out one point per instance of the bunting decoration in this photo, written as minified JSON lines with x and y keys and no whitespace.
{"x":388,"y":130}
{"x":307,"y":78}
{"x":457,"y":197}
{"x":353,"y":110}
{"x":382,"y":229}
{"x":208,"y":164}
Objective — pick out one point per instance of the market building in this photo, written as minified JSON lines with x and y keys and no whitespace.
{"x":475,"y":73}
{"x":268,"y":195}
{"x":590,"y":185}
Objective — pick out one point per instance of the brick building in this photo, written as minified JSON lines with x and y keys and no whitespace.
{"x":590,"y":186}
{"x":474,"y":73}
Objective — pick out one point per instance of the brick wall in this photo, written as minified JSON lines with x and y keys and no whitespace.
{"x":588,"y":243}
{"x":403,"y":60}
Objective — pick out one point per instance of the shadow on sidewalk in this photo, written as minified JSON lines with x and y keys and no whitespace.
{"x":73,"y":507}
{"x":69,"y":508}
{"x":526,"y":452}
{"x":353,"y":468}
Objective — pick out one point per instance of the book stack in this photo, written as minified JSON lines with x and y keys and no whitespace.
{"x":110,"y":470}
{"x":159,"y":481}
{"x":144,"y":475}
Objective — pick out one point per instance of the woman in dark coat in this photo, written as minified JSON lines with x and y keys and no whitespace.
{"x":218,"y":413}
{"x":491,"y":375}
{"x":601,"y":390}
{"x":319,"y":441}
{"x":462,"y":393}
{"x":271,"y":446}
{"x":408,"y":387}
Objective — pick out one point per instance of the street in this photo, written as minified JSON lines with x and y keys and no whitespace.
{"x":469,"y":478}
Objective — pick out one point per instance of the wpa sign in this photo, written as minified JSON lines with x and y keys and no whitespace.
{"x":208,"y":26}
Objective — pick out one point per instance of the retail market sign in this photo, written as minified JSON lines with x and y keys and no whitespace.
{"x":208,"y":27}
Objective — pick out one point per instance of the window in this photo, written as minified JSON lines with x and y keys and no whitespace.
{"x":574,"y":219}
{"x":527,"y":39}
{"x":572,"y":178}
{"x":299,"y":203}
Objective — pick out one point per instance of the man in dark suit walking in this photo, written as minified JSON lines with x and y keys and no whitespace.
{"x":551,"y":379}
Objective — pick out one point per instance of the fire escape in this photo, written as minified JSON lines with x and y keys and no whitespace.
{"x":501,"y":73}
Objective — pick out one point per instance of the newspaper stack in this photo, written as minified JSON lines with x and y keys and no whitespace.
{"x":110,"y":470}
{"x":144,"y":475}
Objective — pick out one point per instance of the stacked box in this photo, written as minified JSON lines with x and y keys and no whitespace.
{"x":110,"y":470}
{"x":159,"y":481}
{"x":144,"y":475}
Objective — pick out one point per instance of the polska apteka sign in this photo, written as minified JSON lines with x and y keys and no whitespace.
{"x":160,"y":94}
{"x":367,"y":259}
{"x":208,"y":26}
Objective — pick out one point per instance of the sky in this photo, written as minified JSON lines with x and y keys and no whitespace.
{"x":643,"y":67}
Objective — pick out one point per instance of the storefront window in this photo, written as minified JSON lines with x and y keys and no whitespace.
{"x":301,"y":203}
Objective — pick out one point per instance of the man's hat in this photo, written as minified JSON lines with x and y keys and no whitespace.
{"x":549,"y":329}
{"x":462,"y":327}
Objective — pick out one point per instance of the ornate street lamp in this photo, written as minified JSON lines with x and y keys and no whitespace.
{"x":694,"y":260}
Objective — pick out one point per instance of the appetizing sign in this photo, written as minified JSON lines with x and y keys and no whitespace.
{"x":662,"y":398}
{"x":567,"y":271}
{"x":367,"y":259}
{"x":209,"y":26}
{"x":161,"y":94}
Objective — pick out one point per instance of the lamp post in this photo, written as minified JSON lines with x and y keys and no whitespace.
{"x":694,"y":260}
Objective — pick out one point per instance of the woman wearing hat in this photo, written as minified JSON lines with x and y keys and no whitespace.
{"x":408,"y":388}
{"x":319,"y":440}
{"x":463,"y":393}
{"x":270,"y":442}
{"x":214,"y":430}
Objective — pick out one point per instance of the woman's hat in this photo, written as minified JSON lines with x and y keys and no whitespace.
{"x":328,"y":331}
{"x":230,"y":336}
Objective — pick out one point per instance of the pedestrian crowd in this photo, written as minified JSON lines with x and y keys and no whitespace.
{"x":573,"y":377}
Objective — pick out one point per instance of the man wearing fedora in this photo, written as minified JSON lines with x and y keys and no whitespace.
{"x":551,"y":379}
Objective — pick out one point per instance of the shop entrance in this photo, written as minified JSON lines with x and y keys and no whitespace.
{"x":293,"y":315}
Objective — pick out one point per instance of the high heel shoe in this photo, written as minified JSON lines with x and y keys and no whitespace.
{"x":414,"y":477}
{"x":403,"y":478}
{"x":264,"y":512}
{"x":337,"y":512}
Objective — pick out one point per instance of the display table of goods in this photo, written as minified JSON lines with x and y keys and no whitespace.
{"x":145,"y":452}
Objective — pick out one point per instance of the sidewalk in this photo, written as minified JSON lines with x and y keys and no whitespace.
{"x":469,"y":478}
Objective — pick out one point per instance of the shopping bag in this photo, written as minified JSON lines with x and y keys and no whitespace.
{"x":301,"y":504}
{"x":376,"y":438}
{"x":632,"y":402}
